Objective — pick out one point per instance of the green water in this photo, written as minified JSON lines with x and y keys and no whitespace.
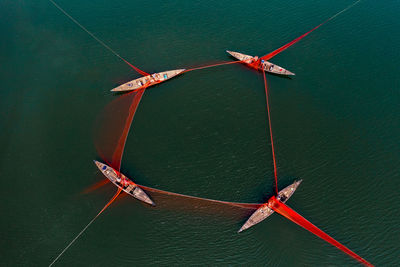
{"x":336,"y":125}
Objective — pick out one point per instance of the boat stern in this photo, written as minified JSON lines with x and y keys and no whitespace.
{"x":233,"y":54}
{"x":258,"y":216}
{"x":288,"y":191}
{"x":179,"y":71}
{"x":100,"y":165}
{"x":240,"y":56}
{"x":265,"y":211}
{"x":171,"y":73}
{"x":275,"y":69}
{"x":129,"y":86}
{"x":142,"y":196}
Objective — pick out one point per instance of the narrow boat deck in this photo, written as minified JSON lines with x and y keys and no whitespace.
{"x":261,"y":65}
{"x":122,"y":182}
{"x":264,"y":211}
{"x":148,"y":80}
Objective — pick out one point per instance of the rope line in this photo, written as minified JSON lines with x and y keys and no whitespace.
{"x":86,"y":227}
{"x":277,"y":51}
{"x":270,"y":134}
{"x":290,"y":214}
{"x":251,"y":206}
{"x":97,"y":39}
{"x":213,"y":65}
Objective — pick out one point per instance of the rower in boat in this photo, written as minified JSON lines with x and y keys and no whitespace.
{"x":124,"y":183}
{"x":149,"y":80}
{"x":260,"y":64}
{"x":265,"y":211}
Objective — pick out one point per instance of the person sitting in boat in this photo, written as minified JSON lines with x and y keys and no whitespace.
{"x":156,"y":76}
{"x":281,"y":197}
{"x":251,"y":60}
{"x":248,"y":59}
{"x":124,"y":182}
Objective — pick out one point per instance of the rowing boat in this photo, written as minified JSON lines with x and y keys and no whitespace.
{"x":148,"y":80}
{"x":124,"y":183}
{"x":264,"y":211}
{"x":260,"y":64}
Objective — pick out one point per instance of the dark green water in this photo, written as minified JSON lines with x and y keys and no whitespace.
{"x":336,"y":126}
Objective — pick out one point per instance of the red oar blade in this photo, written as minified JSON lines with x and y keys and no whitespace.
{"x":290,"y":214}
{"x":277,"y":51}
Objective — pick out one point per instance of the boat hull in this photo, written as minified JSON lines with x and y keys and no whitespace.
{"x":260,"y":64}
{"x":148,"y":80}
{"x":122,"y":182}
{"x":264,"y":211}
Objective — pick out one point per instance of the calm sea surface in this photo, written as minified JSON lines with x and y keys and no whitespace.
{"x":336,"y":126}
